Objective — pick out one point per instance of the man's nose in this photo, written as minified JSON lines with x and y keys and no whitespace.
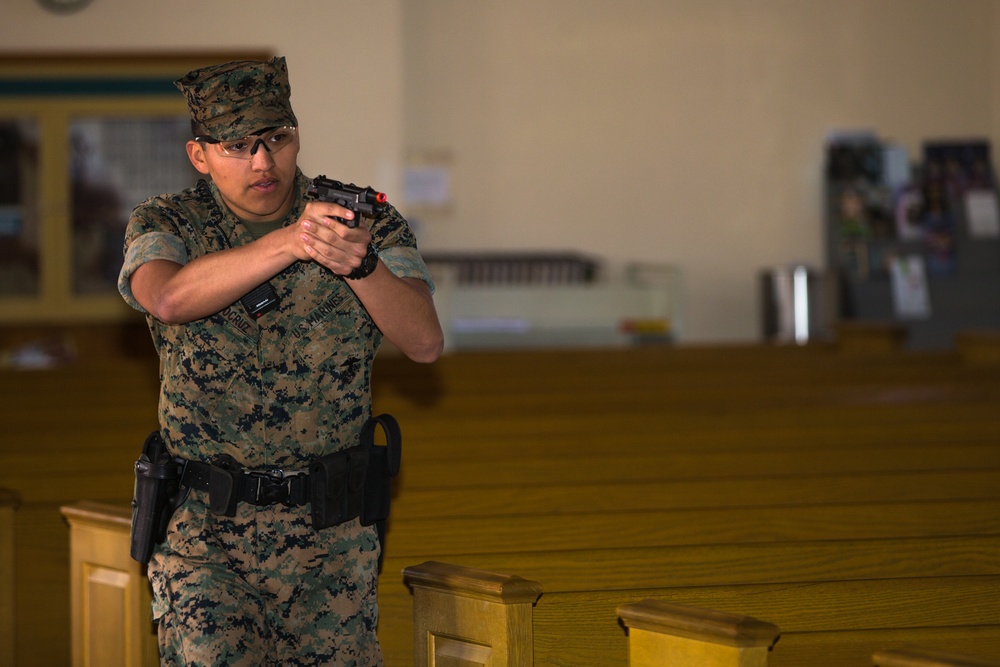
{"x":260,"y":158}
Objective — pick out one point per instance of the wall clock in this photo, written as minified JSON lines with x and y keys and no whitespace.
{"x":64,"y":6}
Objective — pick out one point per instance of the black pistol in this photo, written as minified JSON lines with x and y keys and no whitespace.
{"x":363,"y":201}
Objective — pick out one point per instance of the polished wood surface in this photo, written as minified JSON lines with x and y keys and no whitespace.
{"x":709,"y":477}
{"x":827,"y":490}
{"x":110,"y":598}
{"x":664,"y":633}
{"x":464,"y":616}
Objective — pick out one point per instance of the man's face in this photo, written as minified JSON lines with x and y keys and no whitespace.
{"x":260,"y":189}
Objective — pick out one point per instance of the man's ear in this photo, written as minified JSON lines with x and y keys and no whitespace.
{"x":196,"y":153}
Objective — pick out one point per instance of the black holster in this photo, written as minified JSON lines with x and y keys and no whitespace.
{"x":154,"y":498}
{"x":355,"y":482}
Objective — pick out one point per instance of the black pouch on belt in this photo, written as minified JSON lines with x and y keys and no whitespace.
{"x":336,"y":485}
{"x":383,"y":465}
{"x":154,"y":497}
{"x":224,"y":481}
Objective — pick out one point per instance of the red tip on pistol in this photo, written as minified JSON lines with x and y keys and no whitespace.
{"x":381,"y":198}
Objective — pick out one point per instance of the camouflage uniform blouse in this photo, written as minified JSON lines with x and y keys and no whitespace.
{"x":273,"y":392}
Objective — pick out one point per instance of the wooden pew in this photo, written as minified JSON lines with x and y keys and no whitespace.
{"x":860,"y":434}
{"x":869,"y":338}
{"x":662,"y":432}
{"x":69,"y":434}
{"x":978,"y":346}
{"x":484,"y":618}
{"x":110,"y":596}
{"x":663,"y":633}
{"x":470,"y":616}
{"x":415,"y":537}
{"x":815,"y":591}
{"x":800,"y":562}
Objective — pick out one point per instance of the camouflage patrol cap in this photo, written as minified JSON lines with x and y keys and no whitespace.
{"x":236,"y":99}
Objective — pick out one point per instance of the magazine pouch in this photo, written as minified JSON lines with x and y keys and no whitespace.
{"x":336,"y":482}
{"x":383,"y":465}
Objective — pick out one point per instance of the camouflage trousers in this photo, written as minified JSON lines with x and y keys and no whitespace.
{"x":264,"y":588}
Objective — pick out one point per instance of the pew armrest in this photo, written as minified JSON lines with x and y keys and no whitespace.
{"x":474,"y":616}
{"x":662,"y":632}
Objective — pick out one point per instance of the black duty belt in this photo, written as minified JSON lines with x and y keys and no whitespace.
{"x":340,"y":486}
{"x":258,"y":487}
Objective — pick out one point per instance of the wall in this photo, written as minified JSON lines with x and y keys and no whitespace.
{"x":677,"y":131}
{"x":344,"y":58}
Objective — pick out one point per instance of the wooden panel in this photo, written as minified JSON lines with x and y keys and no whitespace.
{"x":470,"y":617}
{"x":109,"y":595}
{"x":104,"y":616}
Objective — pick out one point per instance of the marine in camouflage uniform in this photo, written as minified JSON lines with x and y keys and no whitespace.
{"x":274,"y":392}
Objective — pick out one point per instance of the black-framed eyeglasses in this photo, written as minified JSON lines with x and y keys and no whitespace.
{"x":272,"y":139}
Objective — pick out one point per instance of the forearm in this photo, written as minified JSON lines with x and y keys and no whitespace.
{"x":403,"y":309}
{"x":175,"y":293}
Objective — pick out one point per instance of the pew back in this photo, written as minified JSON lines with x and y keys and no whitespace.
{"x":616,"y":476}
{"x":651,"y":451}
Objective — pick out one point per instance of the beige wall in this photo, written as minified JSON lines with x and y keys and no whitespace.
{"x":345,"y":61}
{"x":679,"y":131}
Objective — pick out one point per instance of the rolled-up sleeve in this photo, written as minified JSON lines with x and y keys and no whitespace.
{"x":406,"y":262}
{"x":397,"y":247}
{"x":142,"y":249}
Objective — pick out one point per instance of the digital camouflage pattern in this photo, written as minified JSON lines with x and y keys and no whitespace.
{"x":265,"y":588}
{"x":237,"y":99}
{"x":274,"y":392}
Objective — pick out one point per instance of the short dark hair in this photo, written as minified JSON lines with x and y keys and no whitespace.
{"x":197,"y":129}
